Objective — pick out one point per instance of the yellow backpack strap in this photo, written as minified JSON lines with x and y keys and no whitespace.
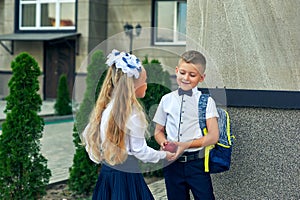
{"x":206,"y":153}
{"x":202,"y":122}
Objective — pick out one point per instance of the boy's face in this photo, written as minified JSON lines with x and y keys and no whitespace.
{"x":189,"y":75}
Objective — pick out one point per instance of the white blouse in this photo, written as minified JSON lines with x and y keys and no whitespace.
{"x":135,"y":138}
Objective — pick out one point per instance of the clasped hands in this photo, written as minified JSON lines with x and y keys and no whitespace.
{"x":175,"y":150}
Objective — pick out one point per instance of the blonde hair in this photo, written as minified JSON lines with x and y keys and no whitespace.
{"x":194,"y":57}
{"x":121,"y":87}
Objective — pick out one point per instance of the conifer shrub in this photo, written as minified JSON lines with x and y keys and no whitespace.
{"x":23,"y":169}
{"x":63,"y":105}
{"x":84,"y":173}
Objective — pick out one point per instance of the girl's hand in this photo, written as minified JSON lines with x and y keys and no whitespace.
{"x":170,"y":156}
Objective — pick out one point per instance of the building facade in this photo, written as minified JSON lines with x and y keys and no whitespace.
{"x":252,"y":49}
{"x":62,"y":34}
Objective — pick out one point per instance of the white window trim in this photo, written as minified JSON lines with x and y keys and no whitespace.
{"x":38,"y":14}
{"x":175,"y":32}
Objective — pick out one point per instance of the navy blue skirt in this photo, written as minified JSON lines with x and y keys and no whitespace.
{"x":115,"y":183}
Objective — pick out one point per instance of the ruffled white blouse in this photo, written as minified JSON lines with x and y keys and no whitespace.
{"x":135,"y":138}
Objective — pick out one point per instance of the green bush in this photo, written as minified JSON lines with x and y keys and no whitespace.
{"x":84,"y":173}
{"x":159,"y":84}
{"x":63,"y":105}
{"x":23,"y":169}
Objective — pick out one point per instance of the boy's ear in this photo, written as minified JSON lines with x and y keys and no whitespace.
{"x":176,"y":69}
{"x":202,"y":78}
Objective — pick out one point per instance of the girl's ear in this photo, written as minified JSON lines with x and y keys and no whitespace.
{"x":140,"y":92}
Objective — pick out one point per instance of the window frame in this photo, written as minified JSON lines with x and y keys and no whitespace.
{"x":38,"y":27}
{"x":175,"y":42}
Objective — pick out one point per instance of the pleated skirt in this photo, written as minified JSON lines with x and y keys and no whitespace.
{"x":121,"y":182}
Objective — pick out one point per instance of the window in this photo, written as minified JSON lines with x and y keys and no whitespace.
{"x":170,"y":22}
{"x":46,"y":15}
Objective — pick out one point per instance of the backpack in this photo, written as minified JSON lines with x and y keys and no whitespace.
{"x":217,"y":157}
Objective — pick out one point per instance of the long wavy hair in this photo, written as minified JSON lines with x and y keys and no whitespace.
{"x":119,"y":87}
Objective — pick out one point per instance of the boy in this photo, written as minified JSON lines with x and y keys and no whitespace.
{"x":177,"y":116}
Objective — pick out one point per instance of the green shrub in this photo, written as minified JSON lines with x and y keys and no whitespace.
{"x":63,"y":105}
{"x":159,"y":84}
{"x":23,"y":169}
{"x":84,"y":173}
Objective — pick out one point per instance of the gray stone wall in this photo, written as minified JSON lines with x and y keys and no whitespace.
{"x":97,"y":23}
{"x":250,"y":44}
{"x":253,"y":45}
{"x":265,"y":160}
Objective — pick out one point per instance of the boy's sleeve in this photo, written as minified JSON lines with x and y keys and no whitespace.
{"x":211,"y":109}
{"x":160,"y":116}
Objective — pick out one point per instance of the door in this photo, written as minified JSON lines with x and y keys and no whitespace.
{"x":59,"y":59}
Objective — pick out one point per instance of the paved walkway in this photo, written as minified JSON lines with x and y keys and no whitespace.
{"x":58,"y":148}
{"x":158,"y":190}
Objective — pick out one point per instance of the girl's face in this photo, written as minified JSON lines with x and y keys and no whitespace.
{"x":140,"y":84}
{"x":188,"y":75}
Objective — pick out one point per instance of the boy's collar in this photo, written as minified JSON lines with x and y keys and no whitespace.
{"x":195,"y":89}
{"x":187,"y":92}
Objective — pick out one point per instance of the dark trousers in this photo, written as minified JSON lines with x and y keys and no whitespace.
{"x":180,"y":177}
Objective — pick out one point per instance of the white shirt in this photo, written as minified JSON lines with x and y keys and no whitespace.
{"x":179,"y":116}
{"x":135,"y":138}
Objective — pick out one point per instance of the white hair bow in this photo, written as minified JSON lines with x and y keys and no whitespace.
{"x":128,"y":63}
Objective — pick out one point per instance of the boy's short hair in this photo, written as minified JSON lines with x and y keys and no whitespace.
{"x":194,"y":57}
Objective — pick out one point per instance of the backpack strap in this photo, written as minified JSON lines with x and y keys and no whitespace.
{"x":202,"y":122}
{"x":202,"y":112}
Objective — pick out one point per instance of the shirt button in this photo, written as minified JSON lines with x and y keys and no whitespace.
{"x":180,"y":134}
{"x":181,"y":122}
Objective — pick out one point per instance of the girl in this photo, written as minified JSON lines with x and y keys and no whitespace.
{"x":115,"y":133}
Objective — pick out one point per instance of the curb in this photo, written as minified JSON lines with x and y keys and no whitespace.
{"x":48,"y":119}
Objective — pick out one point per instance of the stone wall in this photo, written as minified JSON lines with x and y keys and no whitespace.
{"x":265,"y":160}
{"x":250,"y":44}
{"x":253,"y":45}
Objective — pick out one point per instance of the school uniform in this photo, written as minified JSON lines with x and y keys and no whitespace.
{"x":178,"y":113}
{"x":125,"y":181}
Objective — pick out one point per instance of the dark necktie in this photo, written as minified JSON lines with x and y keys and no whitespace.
{"x":186,"y":92}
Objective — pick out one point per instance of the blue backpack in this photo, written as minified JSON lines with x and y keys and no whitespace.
{"x":217,"y":157}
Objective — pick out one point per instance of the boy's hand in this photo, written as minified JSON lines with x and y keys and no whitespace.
{"x":171,"y":147}
{"x":163,"y":144}
{"x":181,"y":147}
